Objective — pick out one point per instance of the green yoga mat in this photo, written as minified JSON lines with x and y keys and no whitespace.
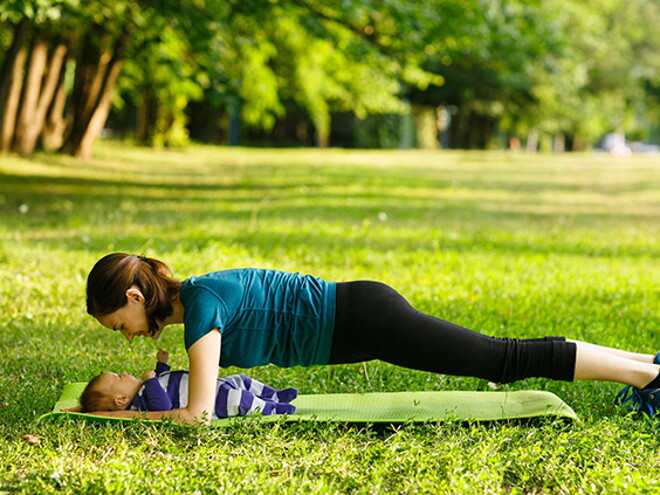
{"x":386,"y":407}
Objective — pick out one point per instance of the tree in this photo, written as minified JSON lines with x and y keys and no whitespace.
{"x":514,"y":66}
{"x":33,"y":71}
{"x":255,"y":52}
{"x":556,"y":67}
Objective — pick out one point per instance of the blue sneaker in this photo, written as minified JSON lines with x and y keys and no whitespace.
{"x":646,"y":401}
{"x":656,"y":359}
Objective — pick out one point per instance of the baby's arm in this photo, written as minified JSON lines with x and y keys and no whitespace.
{"x":161,"y":365}
{"x":155,"y":396}
{"x":162,"y":356}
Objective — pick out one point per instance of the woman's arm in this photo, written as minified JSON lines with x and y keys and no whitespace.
{"x":204,"y":357}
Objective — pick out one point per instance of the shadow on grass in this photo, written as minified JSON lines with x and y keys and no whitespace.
{"x":312,"y":196}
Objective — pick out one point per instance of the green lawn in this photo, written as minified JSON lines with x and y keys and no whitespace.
{"x":511,"y":245}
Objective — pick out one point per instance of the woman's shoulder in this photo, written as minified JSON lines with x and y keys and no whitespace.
{"x":224,"y":285}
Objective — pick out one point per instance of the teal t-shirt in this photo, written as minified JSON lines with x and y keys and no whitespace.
{"x":265,"y":316}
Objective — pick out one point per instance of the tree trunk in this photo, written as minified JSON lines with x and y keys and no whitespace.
{"x":31,"y":90}
{"x":532,"y":140}
{"x":88,"y":66}
{"x":558,"y":143}
{"x":95,"y":79}
{"x":96,"y":74}
{"x":33,"y":128}
{"x":472,"y":130}
{"x":322,"y":138}
{"x":460,"y":131}
{"x":11,"y":83}
{"x":143,"y":124}
{"x":55,"y":125}
{"x":234,"y":122}
{"x":100,"y":114}
{"x":426,"y":128}
{"x":7,"y":70}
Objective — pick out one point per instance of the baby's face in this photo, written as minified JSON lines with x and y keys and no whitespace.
{"x":119,"y":384}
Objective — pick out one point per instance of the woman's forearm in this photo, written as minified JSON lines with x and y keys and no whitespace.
{"x":182,"y":415}
{"x":203,"y":356}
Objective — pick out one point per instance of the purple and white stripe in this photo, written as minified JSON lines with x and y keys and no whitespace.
{"x":236,"y":395}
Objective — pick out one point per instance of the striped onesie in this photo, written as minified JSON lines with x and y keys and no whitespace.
{"x":236,"y":395}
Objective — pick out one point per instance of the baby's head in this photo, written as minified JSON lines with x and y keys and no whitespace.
{"x":109,"y":392}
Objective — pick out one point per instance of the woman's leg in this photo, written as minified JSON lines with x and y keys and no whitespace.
{"x":642,"y":358}
{"x":375,"y":322}
{"x":601,"y":363}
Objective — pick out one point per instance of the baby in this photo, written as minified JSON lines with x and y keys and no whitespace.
{"x":161,"y":390}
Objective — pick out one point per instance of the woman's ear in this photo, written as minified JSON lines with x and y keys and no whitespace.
{"x":134,"y":294}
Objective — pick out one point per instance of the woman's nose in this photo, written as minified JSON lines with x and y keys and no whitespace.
{"x":129,"y":336}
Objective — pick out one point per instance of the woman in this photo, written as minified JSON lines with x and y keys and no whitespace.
{"x":251,"y":317}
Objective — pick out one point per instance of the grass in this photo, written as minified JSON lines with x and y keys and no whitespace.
{"x":511,"y":245}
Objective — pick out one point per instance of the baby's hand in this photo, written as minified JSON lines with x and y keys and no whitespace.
{"x":162,"y":356}
{"x":147,"y":375}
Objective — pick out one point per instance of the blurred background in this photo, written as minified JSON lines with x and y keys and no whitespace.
{"x":551,"y":75}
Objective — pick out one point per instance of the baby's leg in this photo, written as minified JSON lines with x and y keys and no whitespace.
{"x":231,"y":401}
{"x":227,"y":401}
{"x":268,"y":407}
{"x":264,"y":391}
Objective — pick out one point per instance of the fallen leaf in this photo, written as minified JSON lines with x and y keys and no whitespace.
{"x":32,"y":438}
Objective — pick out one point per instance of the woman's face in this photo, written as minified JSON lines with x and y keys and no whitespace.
{"x":131,"y":319}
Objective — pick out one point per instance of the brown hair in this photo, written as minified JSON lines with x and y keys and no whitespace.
{"x":92,"y":399}
{"x":115,"y":273}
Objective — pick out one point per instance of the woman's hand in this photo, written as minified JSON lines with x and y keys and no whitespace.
{"x":72,"y":409}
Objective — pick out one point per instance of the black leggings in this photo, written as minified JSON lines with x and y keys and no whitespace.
{"x":373,"y":321}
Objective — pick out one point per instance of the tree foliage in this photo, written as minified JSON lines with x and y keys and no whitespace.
{"x":517,"y":67}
